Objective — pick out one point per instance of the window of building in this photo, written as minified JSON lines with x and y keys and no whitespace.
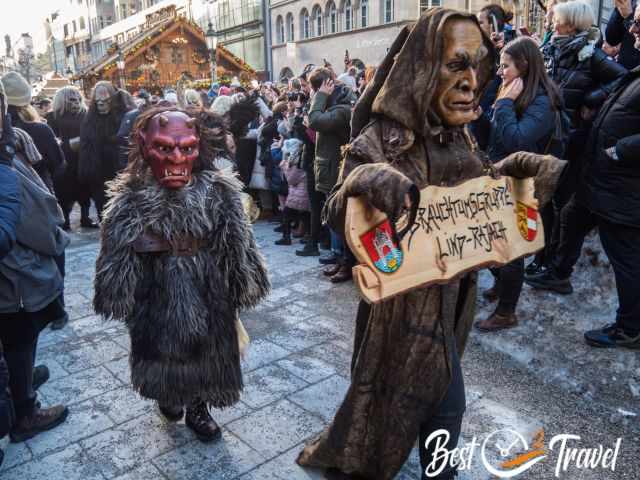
{"x":333,"y":18}
{"x":317,"y":21}
{"x":348,"y":15}
{"x":279,"y":30}
{"x":424,"y":4}
{"x":109,"y":20}
{"x":290,"y":28}
{"x":305,"y":27}
{"x":388,"y":11}
{"x":364,"y":13}
{"x":66,"y":29}
{"x":75,"y":27}
{"x":82,"y":25}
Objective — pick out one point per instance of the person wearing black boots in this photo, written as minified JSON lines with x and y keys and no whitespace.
{"x":66,"y":118}
{"x":297,"y":203}
{"x":177,"y":262}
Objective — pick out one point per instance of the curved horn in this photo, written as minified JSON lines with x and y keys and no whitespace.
{"x":163,"y":120}
{"x":191,"y":123}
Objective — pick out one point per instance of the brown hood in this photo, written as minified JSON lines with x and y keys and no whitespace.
{"x":403,"y":86}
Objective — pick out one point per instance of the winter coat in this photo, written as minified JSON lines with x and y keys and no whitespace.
{"x":330,"y":116}
{"x":401,"y":367}
{"x":298,"y":197}
{"x":277,"y":181}
{"x":530,"y":132}
{"x":617,"y":33}
{"x":53,"y":161}
{"x":10,"y":205}
{"x":481,"y":128}
{"x":180,"y":310}
{"x":583,"y":72}
{"x":611,"y":188}
{"x":29,"y":275}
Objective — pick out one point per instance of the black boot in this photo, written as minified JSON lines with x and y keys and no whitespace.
{"x":199,"y":420}
{"x":85,"y":219}
{"x":285,"y":240}
{"x":40,"y":376}
{"x":310,"y":250}
{"x":171,"y":412}
{"x":548,"y":280}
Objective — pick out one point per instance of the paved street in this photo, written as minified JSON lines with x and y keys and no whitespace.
{"x":539,"y":375}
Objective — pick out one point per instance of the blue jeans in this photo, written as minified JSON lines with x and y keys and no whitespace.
{"x":337,"y":244}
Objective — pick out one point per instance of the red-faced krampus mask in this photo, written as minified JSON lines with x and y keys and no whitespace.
{"x":169,"y":145}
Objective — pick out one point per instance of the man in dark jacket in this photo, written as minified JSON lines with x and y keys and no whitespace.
{"x":330,"y":117}
{"x":617,"y":33}
{"x":609,"y":197}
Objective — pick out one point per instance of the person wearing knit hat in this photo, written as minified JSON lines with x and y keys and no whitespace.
{"x":17,"y":89}
{"x":224,"y":91}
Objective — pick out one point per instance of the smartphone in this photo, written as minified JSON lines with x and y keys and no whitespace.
{"x":494,"y":22}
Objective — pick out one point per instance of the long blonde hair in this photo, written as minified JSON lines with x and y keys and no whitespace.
{"x":28,"y":113}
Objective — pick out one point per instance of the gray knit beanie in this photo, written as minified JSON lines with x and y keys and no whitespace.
{"x":17,"y":89}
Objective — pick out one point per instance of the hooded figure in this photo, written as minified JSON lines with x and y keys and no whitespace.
{"x":99,"y":158}
{"x":66,"y":119}
{"x":178,"y":260}
{"x":406,"y":380}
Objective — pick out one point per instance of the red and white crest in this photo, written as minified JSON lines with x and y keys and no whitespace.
{"x":527,"y":221}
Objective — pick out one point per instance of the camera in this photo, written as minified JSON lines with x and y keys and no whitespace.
{"x":296,"y":96}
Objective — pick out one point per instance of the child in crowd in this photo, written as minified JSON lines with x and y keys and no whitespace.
{"x":297,"y":202}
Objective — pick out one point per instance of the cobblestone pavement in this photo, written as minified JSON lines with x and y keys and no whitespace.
{"x":296,"y":373}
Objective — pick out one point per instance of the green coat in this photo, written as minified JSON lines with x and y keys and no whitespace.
{"x":332,"y":126}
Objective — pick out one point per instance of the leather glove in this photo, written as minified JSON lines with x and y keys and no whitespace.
{"x":546,"y":171}
{"x":386,"y":189}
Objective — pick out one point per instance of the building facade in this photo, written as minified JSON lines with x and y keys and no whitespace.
{"x":240,"y":27}
{"x":313,"y":31}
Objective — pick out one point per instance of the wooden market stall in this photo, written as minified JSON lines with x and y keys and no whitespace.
{"x":169,"y":48}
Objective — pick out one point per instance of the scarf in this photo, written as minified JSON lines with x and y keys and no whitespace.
{"x":25,"y":145}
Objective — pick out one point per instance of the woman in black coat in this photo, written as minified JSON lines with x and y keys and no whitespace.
{"x":586,"y":77}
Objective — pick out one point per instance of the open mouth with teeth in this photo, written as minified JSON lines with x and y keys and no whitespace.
{"x":175,"y":176}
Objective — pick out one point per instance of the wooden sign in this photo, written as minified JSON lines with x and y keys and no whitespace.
{"x":480,"y":223}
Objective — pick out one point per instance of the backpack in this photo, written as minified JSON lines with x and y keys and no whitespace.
{"x":559,"y":140}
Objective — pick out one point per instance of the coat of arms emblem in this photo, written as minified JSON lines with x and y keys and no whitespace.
{"x":384,"y":253}
{"x":527,"y":221}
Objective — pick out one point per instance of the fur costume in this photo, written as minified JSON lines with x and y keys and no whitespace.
{"x":181,"y":310}
{"x":99,"y":148}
